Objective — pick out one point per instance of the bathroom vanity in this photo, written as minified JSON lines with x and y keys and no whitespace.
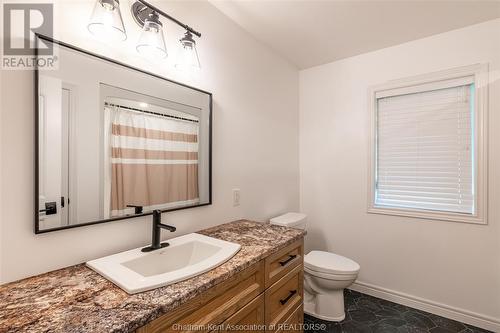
{"x":261,"y":285}
{"x":268,"y":293}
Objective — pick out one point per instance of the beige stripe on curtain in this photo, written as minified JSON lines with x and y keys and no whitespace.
{"x":153,"y":154}
{"x":148,"y":185}
{"x":154,"y":161}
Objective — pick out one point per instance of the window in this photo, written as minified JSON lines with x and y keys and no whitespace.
{"x":427,"y":147}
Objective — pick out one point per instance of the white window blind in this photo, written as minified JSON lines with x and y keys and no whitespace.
{"x":425,"y":150}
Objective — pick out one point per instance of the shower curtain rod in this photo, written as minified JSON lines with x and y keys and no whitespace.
{"x":150,"y":112}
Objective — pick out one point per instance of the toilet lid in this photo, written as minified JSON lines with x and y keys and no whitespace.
{"x":327,"y":262}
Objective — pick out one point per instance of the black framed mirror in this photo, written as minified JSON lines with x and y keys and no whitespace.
{"x":114,"y":142}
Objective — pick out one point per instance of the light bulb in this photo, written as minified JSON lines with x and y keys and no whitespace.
{"x":106,"y":21}
{"x":187,"y":56}
{"x":151,"y":43}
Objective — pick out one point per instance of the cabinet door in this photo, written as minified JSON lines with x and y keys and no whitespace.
{"x":283,"y":262}
{"x":249,"y":319}
{"x":283,"y":297}
{"x":294,"y":323}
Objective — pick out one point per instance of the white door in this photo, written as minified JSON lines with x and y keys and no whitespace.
{"x":54,"y":136}
{"x":65,"y":155}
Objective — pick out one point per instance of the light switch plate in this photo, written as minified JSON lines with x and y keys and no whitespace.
{"x":236,"y":197}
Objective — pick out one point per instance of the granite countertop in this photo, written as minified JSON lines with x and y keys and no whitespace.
{"x":77,"y":300}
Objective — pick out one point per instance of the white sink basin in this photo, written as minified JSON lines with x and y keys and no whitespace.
{"x":187,"y":256}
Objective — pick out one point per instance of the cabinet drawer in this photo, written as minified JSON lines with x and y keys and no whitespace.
{"x":283,"y":261}
{"x":247,"y":320}
{"x":213,"y":306}
{"x":294,"y":323}
{"x":283,"y":298}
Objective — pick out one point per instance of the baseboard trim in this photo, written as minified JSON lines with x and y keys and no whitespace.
{"x":471,"y":318}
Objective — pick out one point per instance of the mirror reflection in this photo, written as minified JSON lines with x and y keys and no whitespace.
{"x":114,"y":142}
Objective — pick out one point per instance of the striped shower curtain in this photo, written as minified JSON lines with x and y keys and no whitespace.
{"x":153,"y":161}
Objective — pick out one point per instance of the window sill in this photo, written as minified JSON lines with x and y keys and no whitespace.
{"x":428,"y":215}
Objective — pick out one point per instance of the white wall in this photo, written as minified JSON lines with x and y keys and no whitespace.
{"x":255,"y":140}
{"x":455,"y":264}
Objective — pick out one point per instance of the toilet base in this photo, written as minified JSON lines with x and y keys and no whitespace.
{"x":329,"y":307}
{"x":309,"y":309}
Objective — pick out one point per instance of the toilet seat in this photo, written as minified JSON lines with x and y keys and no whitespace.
{"x":330,"y":276}
{"x":327,"y":263}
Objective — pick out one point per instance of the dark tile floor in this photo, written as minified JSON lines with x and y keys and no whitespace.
{"x":374,"y":315}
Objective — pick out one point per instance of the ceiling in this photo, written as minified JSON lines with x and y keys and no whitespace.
{"x":313,"y":32}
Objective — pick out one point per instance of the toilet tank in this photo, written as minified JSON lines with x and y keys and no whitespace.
{"x":292,"y":220}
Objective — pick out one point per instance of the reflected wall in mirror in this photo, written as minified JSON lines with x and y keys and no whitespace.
{"x":115,"y":142}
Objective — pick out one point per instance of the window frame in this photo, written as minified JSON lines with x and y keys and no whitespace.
{"x":480,"y":74}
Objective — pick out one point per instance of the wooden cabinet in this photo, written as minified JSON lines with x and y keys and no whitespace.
{"x":242,"y":303}
{"x":211,"y":308}
{"x":278,"y":264}
{"x":249,"y":319}
{"x":294,"y":323}
{"x":283,"y":298}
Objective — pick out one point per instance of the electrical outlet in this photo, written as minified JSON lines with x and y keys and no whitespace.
{"x":236,"y":197}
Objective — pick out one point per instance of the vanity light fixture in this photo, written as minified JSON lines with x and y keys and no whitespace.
{"x":187,"y":57}
{"x":106,"y":22}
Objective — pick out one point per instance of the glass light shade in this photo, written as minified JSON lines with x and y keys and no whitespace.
{"x":187,"y":56}
{"x":151,"y":43}
{"x":106,"y":21}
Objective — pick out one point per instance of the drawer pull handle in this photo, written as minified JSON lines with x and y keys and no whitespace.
{"x":290,"y":258}
{"x":284,"y":300}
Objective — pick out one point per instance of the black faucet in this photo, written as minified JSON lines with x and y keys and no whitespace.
{"x":137,"y":209}
{"x":157,"y":226}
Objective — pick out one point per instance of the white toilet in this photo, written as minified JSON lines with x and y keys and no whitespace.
{"x":326,"y":275}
